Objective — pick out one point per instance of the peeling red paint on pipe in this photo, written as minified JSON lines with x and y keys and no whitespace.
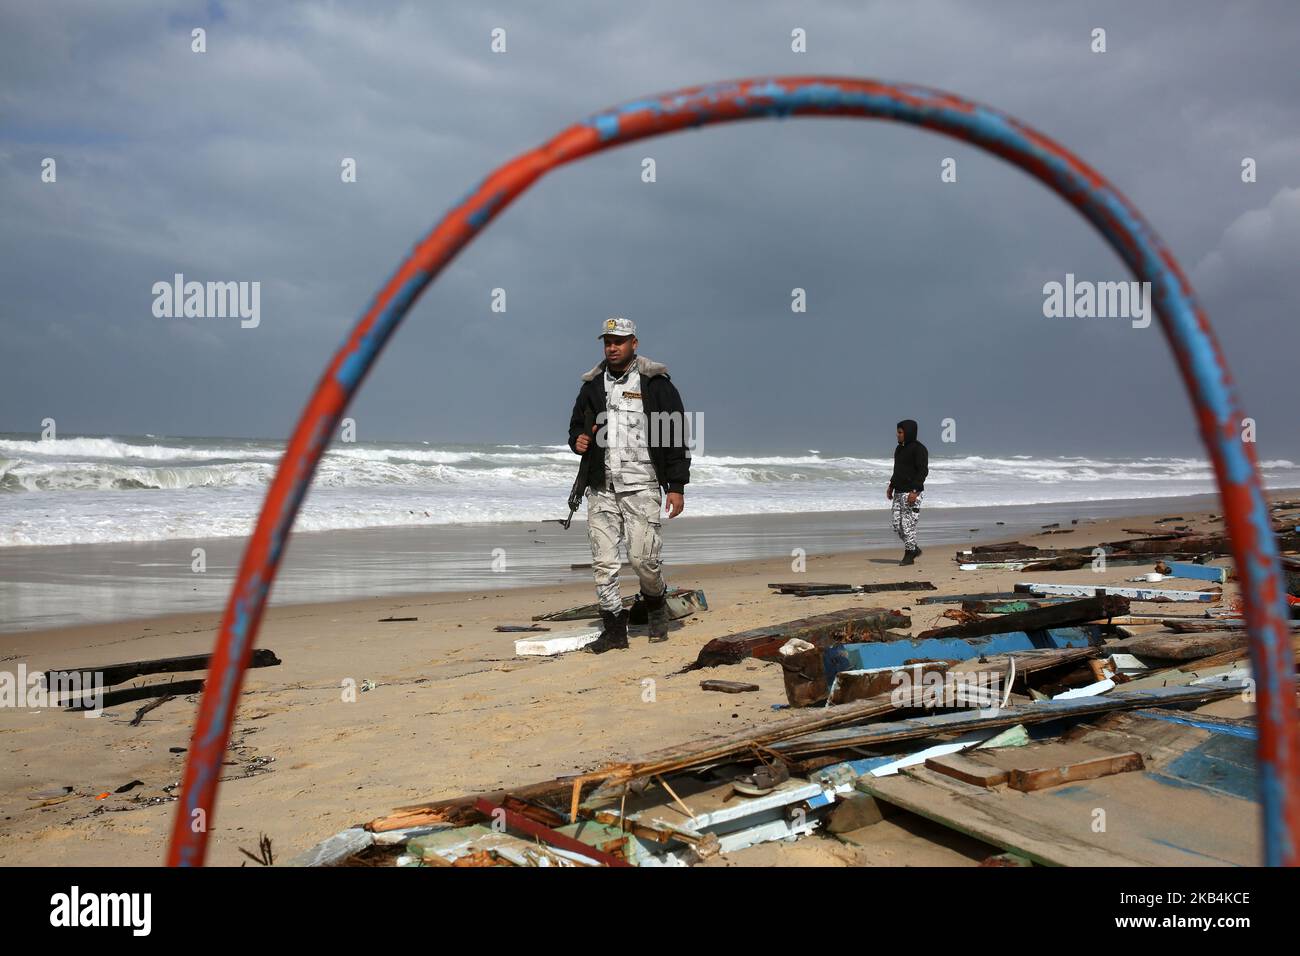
{"x":1199,"y":358}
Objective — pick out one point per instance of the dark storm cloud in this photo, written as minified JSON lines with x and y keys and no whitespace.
{"x":924,"y":298}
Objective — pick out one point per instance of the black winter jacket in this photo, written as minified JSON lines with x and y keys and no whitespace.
{"x":672,"y":462}
{"x":911,"y":461}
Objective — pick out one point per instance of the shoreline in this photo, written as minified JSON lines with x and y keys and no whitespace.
{"x":47,"y":588}
{"x":452,"y":709}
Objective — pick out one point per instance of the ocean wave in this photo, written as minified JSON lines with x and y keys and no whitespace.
{"x":87,"y":489}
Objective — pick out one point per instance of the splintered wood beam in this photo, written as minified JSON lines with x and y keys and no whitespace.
{"x":1027,"y":781}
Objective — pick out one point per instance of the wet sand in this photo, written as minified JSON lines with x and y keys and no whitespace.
{"x":50,"y":587}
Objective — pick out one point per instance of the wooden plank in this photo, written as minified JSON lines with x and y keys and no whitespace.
{"x":1067,"y":614}
{"x":988,"y":596}
{"x":799,"y":586}
{"x":110,"y":674}
{"x":1028,"y":781}
{"x":963,"y":768}
{"x":1144,"y":827}
{"x":1133,"y":594}
{"x":898,"y":586}
{"x":1194,"y":572}
{"x":874,"y":654}
{"x":1231,"y":656}
{"x":1180,"y":647}
{"x":814,"y":588}
{"x":728,"y":686}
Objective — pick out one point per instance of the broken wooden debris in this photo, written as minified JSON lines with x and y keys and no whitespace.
{"x":867,"y":656}
{"x":107,"y":675}
{"x":840,"y":797}
{"x":391,"y":620}
{"x":1065,"y":614}
{"x":1156,"y":815}
{"x":805,"y":589}
{"x":820,"y":630}
{"x":728,"y":686}
{"x":850,"y":685}
{"x":874,"y":734}
{"x":519,"y":628}
{"x":554,"y":838}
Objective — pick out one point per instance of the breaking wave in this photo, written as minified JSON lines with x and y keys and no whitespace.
{"x":125,"y":488}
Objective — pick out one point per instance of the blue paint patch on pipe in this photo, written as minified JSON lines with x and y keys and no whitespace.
{"x":354,"y":366}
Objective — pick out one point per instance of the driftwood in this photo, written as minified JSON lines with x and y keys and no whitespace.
{"x":728,"y":686}
{"x":110,"y":674}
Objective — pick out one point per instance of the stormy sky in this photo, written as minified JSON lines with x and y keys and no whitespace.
{"x":924,"y":297}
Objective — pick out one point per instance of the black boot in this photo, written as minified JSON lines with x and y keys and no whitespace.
{"x":909,"y":557}
{"x":613,"y":635}
{"x":656,"y":616}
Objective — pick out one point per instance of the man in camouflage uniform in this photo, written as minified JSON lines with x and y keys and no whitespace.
{"x":629,"y":425}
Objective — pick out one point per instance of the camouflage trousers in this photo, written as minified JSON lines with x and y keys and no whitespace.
{"x":633,"y":517}
{"x":905,"y":519}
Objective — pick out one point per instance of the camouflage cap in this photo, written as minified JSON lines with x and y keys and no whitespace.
{"x":617,"y":325}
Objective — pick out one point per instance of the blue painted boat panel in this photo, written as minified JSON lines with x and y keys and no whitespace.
{"x":1223,"y":763}
{"x":843,"y":657}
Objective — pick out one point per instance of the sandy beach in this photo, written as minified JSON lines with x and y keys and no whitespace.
{"x":453,"y":710}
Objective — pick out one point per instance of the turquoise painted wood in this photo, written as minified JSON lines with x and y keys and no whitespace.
{"x":1199,"y":572}
{"x":846,"y":657}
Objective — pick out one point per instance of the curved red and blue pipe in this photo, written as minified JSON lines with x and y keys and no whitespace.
{"x":1214,"y":396}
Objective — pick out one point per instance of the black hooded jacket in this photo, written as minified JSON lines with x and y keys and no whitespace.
{"x":911,"y":460}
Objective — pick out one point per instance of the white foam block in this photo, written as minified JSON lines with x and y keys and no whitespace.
{"x":557,"y":642}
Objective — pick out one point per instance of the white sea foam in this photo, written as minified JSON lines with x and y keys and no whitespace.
{"x":122,"y":488}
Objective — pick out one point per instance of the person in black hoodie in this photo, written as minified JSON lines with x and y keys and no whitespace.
{"x":907,"y":486}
